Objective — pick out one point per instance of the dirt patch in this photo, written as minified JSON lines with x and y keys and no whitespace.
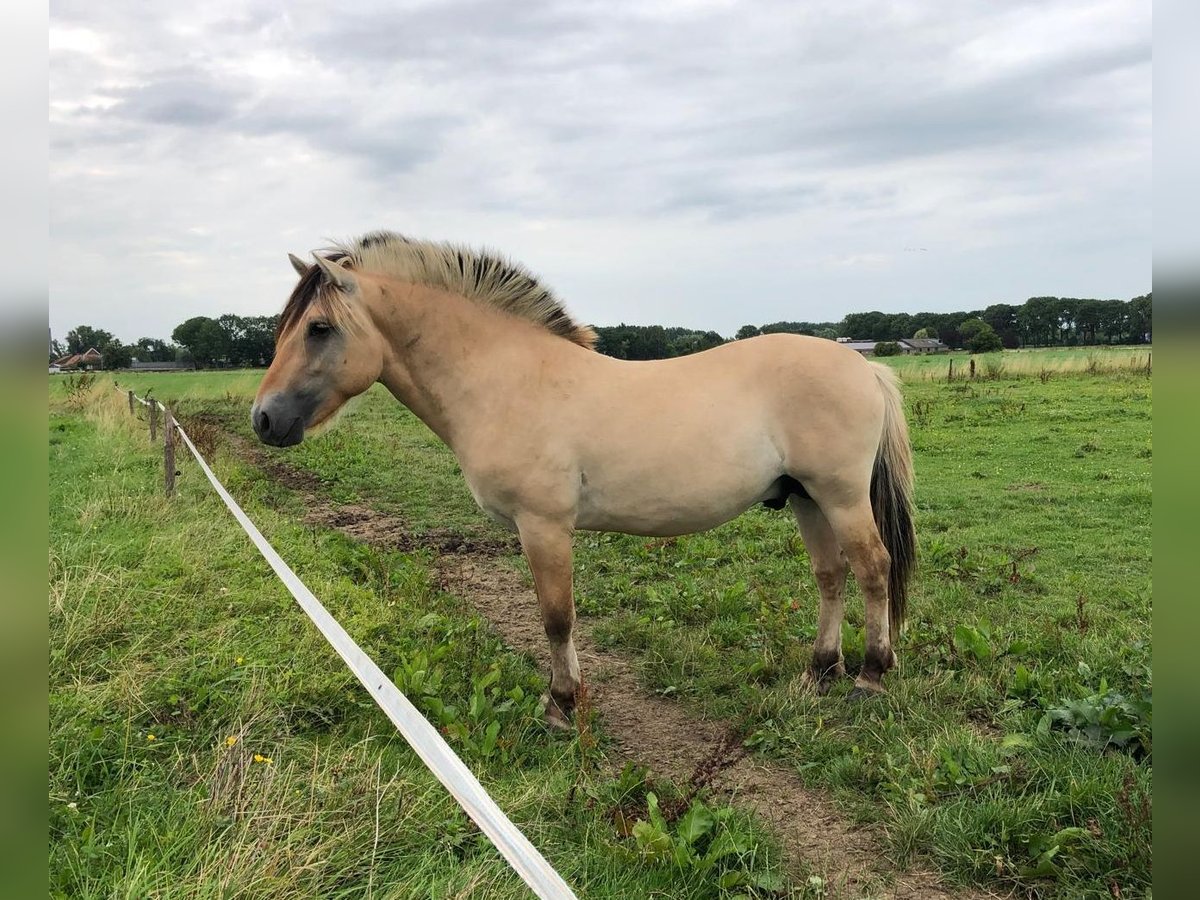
{"x":644,"y":728}
{"x":365,"y":524}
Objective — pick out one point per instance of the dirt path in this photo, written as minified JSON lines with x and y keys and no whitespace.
{"x":645,"y":728}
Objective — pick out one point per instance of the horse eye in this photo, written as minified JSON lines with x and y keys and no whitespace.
{"x":318,"y":329}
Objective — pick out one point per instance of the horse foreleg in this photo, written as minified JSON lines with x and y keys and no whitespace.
{"x":547,"y":547}
{"x":829,"y":569}
{"x":869,"y":560}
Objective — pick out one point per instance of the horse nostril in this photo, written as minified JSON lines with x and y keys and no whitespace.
{"x":264,"y":423}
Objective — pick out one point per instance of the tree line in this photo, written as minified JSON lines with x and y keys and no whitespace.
{"x":228,"y":340}
{"x":1038,"y":322}
{"x":247,"y":341}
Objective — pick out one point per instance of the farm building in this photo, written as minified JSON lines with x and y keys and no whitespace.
{"x":922,"y":346}
{"x":75,"y":362}
{"x":908,"y":346}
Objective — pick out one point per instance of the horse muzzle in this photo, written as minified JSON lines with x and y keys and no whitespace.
{"x":278,"y":422}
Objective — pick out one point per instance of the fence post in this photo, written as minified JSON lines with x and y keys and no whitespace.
{"x":972,"y":367}
{"x":950,"y":374}
{"x":168,"y":451}
{"x":1148,"y":364}
{"x":130,"y":393}
{"x":153,"y":416}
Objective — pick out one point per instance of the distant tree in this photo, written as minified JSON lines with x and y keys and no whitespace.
{"x":787,"y":328}
{"x":968,"y":328}
{"x":204,"y":338}
{"x":116,"y":355}
{"x":1038,"y":321}
{"x":249,"y":340}
{"x":747,"y":331}
{"x":830,"y":334}
{"x":887,"y":348}
{"x":84,"y":337}
{"x":899,"y":325}
{"x":866,"y":326}
{"x":649,"y":342}
{"x":257,"y":346}
{"x":921,"y":334}
{"x":1114,"y":321}
{"x":983,"y":340}
{"x":57,"y":350}
{"x":1141,"y":319}
{"x":1003,"y":319}
{"x":948,"y":335}
{"x":686,"y":342}
{"x":153,"y":350}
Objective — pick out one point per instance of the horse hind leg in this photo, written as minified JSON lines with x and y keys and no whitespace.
{"x":856,"y":532}
{"x":829,"y":568}
{"x":547,"y":547}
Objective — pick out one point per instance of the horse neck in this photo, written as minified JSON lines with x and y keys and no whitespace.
{"x":452,"y":360}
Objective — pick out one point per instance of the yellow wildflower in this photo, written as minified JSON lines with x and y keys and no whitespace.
{"x":151,"y":737}
{"x":239,"y":660}
{"x":259,"y":758}
{"x":231,"y":740}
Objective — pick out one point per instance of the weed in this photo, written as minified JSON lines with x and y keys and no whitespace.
{"x":921,"y":412}
{"x":707,"y":841}
{"x":1106,"y":718}
{"x":78,"y":388}
{"x":974,"y":641}
{"x":949,"y":562}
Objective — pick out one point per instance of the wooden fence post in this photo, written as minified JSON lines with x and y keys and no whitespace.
{"x":130,"y":402}
{"x":972,"y":367}
{"x":950,"y":374}
{"x":168,"y":451}
{"x":153,"y":411}
{"x":1148,"y":364}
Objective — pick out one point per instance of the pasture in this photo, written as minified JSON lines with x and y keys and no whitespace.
{"x":203,"y":740}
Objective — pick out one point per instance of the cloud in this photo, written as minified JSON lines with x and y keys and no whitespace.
{"x":649,"y":159}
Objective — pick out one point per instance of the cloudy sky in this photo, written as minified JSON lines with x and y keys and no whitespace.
{"x":698,"y":163}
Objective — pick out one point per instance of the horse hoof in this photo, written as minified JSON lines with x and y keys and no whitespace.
{"x":821,"y":678}
{"x":817,"y":684}
{"x":865,"y":691}
{"x":555,"y":716}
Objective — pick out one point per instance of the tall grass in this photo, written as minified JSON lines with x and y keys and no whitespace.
{"x":1026,"y":363}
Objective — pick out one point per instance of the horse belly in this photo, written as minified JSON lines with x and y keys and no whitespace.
{"x":664,"y":502}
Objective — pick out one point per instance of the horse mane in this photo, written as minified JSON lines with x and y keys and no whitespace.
{"x":482,"y":277}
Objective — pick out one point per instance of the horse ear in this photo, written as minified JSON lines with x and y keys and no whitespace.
{"x":298,"y":264}
{"x":339,"y":276}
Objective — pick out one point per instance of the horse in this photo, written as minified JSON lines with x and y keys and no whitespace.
{"x":553,"y":437}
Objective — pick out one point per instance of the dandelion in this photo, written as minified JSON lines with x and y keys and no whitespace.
{"x":151,"y":737}
{"x":231,"y":740}
{"x":239,"y":661}
{"x":259,"y":758}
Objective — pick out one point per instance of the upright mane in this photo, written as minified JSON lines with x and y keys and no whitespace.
{"x":483,"y":277}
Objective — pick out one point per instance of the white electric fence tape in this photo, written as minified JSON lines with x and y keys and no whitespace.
{"x":421,"y":736}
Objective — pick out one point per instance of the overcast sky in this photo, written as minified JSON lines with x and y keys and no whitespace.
{"x":703,"y":164}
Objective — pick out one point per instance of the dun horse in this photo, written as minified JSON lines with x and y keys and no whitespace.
{"x":553,"y":437}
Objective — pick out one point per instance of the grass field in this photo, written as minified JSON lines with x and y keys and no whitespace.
{"x":1013,"y":751}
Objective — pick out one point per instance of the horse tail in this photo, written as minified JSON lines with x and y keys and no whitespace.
{"x":891,"y":496}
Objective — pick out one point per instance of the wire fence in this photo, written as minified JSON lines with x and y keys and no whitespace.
{"x":424,"y":739}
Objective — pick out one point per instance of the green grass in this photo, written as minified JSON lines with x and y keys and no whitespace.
{"x":205,"y":741}
{"x":1029,"y":626}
